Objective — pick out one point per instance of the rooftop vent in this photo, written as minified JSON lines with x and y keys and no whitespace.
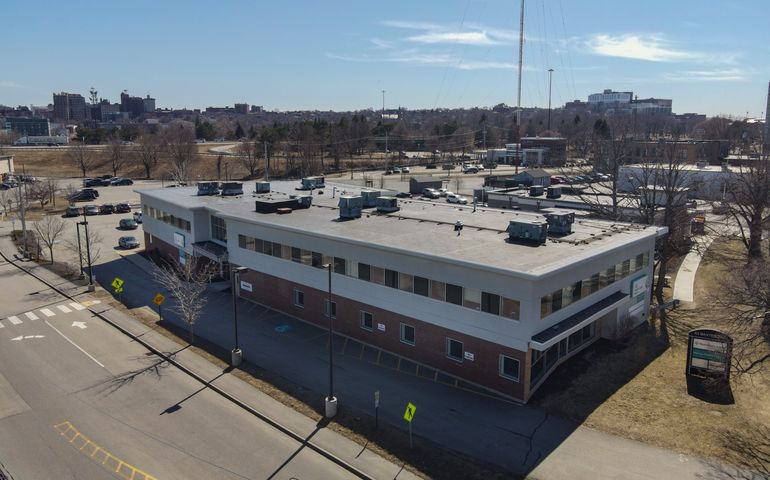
{"x":387,"y":204}
{"x":370,"y":197}
{"x":559,"y":221}
{"x":269,"y":204}
{"x":262,"y":187}
{"x":208,"y":188}
{"x":310,"y":183}
{"x":553,"y":192}
{"x":350,"y":206}
{"x":528,"y":230}
{"x":536,"y":190}
{"x":232,"y":188}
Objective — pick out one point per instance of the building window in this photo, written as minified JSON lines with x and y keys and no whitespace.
{"x":545,"y":306}
{"x":454,"y":349}
{"x":377,"y":275}
{"x":246,"y":242}
{"x":472,"y":298}
{"x":391,"y":278}
{"x":509,"y":368}
{"x":218,"y":229}
{"x":299,"y":298}
{"x":326,"y":308}
{"x":367,"y":320}
{"x":510,"y":308}
{"x":316,"y":260}
{"x":407,"y":334}
{"x":639,"y":262}
{"x":364,"y":272}
{"x":421,"y":286}
{"x":405,"y":282}
{"x":454,"y":294}
{"x":339,"y":265}
{"x":267,"y":248}
{"x":490,"y":303}
{"x":277,"y":250}
{"x":296,"y":255}
{"x":307,"y":257}
{"x":437,"y":290}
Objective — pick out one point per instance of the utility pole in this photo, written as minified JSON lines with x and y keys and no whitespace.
{"x":267,"y":164}
{"x":383,"y":123}
{"x":550,"y":79}
{"x":517,"y":159}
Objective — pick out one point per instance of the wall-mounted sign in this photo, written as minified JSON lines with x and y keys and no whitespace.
{"x":638,"y":286}
{"x":246,"y":286}
{"x":179,"y":240}
{"x":709,"y":353}
{"x":381,"y":327}
{"x":469,"y":356}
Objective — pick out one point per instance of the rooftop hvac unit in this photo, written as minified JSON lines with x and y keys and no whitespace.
{"x":350,"y":206}
{"x":536,"y":190}
{"x":208,"y":188}
{"x":559,"y":221}
{"x":310,"y":183}
{"x":267,"y":204}
{"x":387,"y":204}
{"x":232,"y":188}
{"x":533,"y":230}
{"x":553,"y":192}
{"x":262,"y":187}
{"x":370,"y":197}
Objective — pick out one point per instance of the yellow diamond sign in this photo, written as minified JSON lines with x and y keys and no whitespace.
{"x":117,"y":283}
{"x":158,"y":299}
{"x":409,"y":413}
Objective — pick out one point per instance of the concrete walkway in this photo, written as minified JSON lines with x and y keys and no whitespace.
{"x":684,"y":285}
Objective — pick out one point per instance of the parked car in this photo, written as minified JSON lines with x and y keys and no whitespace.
{"x":127,"y":224}
{"x":431,"y":166}
{"x":396,"y":169}
{"x":404,"y":169}
{"x":403,"y":195}
{"x":389,"y":171}
{"x":91,"y":210}
{"x":128,"y":242}
{"x":430,"y":193}
{"x":91,"y":190}
{"x":470,"y":169}
{"x":454,"y":198}
{"x":117,"y":182}
{"x":107,"y":209}
{"x":6,"y":186}
{"x":95,"y":182}
{"x":138,"y":217}
{"x":123,"y":207}
{"x":557,"y":179}
{"x":443,"y":192}
{"x":72,"y":211}
{"x":82,"y":196}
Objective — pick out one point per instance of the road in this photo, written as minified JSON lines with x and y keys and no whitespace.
{"x":79,"y":400}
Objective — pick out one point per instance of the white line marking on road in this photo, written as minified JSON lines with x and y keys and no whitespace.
{"x":14,"y":320}
{"x":75,"y":344}
{"x":31,"y":316}
{"x":77,"y":306}
{"x":89,"y":303}
{"x":1,"y":325}
{"x":47,"y":312}
{"x":63,"y":308}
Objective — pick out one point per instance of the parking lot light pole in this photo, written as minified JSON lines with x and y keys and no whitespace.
{"x":331,"y":400}
{"x":237,"y":354}
{"x":91,"y":287}
{"x":80,"y":251}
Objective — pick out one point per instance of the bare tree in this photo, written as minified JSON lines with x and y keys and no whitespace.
{"x":92,"y":239}
{"x":39,"y":192}
{"x":80,"y":156}
{"x":148,"y":152}
{"x":181,"y":152}
{"x":248,"y":154}
{"x":748,"y":193}
{"x":49,"y":229}
{"x":7,"y":201}
{"x":186,"y":283}
{"x":52,"y":186}
{"x":117,"y":153}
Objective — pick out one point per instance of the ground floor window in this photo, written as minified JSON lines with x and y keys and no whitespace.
{"x":367,"y":321}
{"x":454,"y":349}
{"x":407,"y":334}
{"x":299,"y":298}
{"x":326,"y":309}
{"x":509,"y":368}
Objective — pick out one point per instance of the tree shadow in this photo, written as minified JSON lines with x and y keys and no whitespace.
{"x":748,"y":450}
{"x":155,"y":368}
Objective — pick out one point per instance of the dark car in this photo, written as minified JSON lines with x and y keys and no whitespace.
{"x":95,"y":182}
{"x":121,"y":181}
{"x":6,"y":186}
{"x":91,"y":210}
{"x":127,"y":224}
{"x":106,"y":209}
{"x":72,"y":211}
{"x":91,"y":190}
{"x":123,"y":208}
{"x":404,"y":195}
{"x":82,"y":197}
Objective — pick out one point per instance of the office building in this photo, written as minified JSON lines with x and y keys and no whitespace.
{"x":610,"y":97}
{"x":28,"y":126}
{"x":69,"y":107}
{"x":481,"y":297}
{"x":242,"y":108}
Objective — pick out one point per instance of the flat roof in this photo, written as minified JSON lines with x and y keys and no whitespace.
{"x":420,"y":227}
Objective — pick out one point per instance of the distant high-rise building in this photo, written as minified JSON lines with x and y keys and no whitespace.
{"x":136,"y":106}
{"x":242,"y":108}
{"x":69,"y":107}
{"x":149,"y":104}
{"x":608,"y":96}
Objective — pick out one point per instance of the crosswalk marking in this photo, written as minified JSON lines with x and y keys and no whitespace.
{"x":14,"y":320}
{"x":31,"y":316}
{"x":63,"y":308}
{"x":47,"y":312}
{"x":77,"y":306}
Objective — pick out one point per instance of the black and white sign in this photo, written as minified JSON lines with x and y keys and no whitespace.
{"x":246,"y":286}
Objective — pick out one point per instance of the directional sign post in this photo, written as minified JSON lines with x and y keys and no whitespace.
{"x":158,"y":300}
{"x":376,"y":409}
{"x":408,"y":416}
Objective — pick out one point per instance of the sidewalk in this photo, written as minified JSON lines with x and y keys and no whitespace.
{"x":518,"y":438}
{"x":684,"y":285}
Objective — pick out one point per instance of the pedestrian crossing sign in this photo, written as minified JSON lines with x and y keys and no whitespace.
{"x":409,"y":413}
{"x":117,"y":284}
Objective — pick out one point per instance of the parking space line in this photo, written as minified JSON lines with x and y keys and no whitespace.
{"x":47,"y":312}
{"x":14,"y":320}
{"x":31,"y":316}
{"x":77,"y":306}
{"x":63,"y":308}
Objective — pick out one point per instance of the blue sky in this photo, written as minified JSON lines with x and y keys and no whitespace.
{"x":709,"y":56}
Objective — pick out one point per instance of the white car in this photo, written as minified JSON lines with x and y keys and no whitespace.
{"x":452,"y":198}
{"x":443,"y":192}
{"x":404,"y":169}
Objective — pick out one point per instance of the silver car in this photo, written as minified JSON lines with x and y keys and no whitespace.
{"x":128,"y":242}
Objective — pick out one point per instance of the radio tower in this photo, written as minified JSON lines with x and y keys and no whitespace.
{"x":94,"y":97}
{"x":517,"y":137}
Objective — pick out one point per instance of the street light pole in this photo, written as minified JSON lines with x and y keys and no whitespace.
{"x":80,"y":251}
{"x":331,"y":400}
{"x":237,"y":353}
{"x":550,"y":79}
{"x":88,"y":254}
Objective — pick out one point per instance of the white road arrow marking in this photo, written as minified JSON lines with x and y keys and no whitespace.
{"x":47,"y":312}
{"x":80,"y":325}
{"x":63,"y":308}
{"x":77,"y":306}
{"x":14,"y":320}
{"x":31,"y":316}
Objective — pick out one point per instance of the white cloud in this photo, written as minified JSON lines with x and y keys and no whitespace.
{"x":725,"y":75}
{"x":651,"y":48}
{"x":380,"y":43}
{"x":468,"y":34}
{"x":416,"y":57}
{"x":8,"y":84}
{"x":464,"y":38}
{"x":410,"y":25}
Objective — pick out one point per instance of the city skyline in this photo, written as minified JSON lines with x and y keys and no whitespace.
{"x":461,"y":55}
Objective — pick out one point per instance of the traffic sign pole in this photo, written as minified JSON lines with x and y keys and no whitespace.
{"x":410,"y":436}
{"x":376,"y":409}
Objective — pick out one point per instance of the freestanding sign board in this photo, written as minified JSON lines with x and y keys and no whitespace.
{"x":709,"y":353}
